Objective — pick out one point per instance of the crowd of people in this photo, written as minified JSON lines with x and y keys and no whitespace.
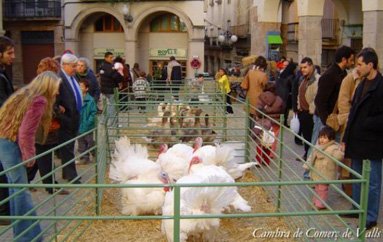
{"x":61,"y":102}
{"x":339,"y":112}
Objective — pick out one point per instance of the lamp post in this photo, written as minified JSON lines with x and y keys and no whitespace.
{"x":227,"y":38}
{"x":126,"y":12}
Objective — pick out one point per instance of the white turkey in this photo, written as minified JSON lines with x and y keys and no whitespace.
{"x":175,"y":160}
{"x":130,"y":160}
{"x":130,"y":165}
{"x":197,"y":201}
{"x":221,"y":156}
{"x":140,"y":201}
{"x":199,"y":169}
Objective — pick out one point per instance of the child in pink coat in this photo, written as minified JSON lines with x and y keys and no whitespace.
{"x":321,"y":166}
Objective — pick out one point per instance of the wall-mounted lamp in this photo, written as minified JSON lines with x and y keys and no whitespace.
{"x":226,"y":38}
{"x":126,"y":12}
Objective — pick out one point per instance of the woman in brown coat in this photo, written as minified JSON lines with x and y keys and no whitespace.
{"x":254,"y":82}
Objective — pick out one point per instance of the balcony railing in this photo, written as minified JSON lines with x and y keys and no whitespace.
{"x":240,"y":30}
{"x":330,"y":28}
{"x":32,"y":9}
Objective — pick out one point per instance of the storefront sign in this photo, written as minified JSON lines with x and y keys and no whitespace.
{"x":165,"y":53}
{"x":100,"y":52}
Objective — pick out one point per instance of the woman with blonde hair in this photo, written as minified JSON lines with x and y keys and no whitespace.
{"x":44,"y":164}
{"x":18,"y":128}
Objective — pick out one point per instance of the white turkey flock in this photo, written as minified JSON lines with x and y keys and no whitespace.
{"x":181,"y":164}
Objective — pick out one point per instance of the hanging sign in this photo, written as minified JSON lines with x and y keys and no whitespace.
{"x":100,"y":52}
{"x":195,"y":63}
{"x":167,"y":52}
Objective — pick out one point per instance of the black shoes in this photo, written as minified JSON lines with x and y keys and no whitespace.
{"x":370,"y":225}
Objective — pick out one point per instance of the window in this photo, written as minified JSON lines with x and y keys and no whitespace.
{"x":167,"y":23}
{"x":108,"y":23}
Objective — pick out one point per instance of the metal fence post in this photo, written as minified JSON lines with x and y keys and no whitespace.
{"x":364,"y":198}
{"x":176,"y":214}
{"x":280,"y":154}
{"x":97,"y":170}
{"x":247,"y":132}
{"x":224,"y":117}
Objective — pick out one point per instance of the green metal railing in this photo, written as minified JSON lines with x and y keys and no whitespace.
{"x":69,"y":218}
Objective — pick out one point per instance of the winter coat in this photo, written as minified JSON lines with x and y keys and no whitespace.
{"x":140,"y":87}
{"x":328,"y":90}
{"x":284,"y":83}
{"x":224,"y":84}
{"x":346,"y":92}
{"x":311,"y":91}
{"x":110,"y":78}
{"x":6,"y":87}
{"x":88,"y":114}
{"x":323,"y":165}
{"x":94,"y":86}
{"x":270,"y":104}
{"x":364,"y":132}
{"x":254,"y":82}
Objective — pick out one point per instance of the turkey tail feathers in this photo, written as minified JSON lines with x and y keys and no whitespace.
{"x":208,"y":199}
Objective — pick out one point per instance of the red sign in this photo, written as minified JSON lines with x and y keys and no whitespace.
{"x":195,"y":63}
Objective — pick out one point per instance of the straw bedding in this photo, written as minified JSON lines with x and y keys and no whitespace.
{"x":239,"y":229}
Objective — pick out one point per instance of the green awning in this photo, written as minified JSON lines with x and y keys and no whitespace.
{"x":274,"y":39}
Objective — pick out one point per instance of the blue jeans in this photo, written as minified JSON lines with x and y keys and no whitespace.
{"x":111,"y":110}
{"x":22,"y":203}
{"x":318,"y":125}
{"x":374,"y":189}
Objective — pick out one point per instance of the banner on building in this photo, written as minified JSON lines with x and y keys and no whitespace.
{"x":165,"y":53}
{"x":100,"y":52}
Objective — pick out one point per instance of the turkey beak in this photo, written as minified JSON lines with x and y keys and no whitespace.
{"x":167,"y":188}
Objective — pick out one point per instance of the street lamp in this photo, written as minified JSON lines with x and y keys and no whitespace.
{"x":126,"y":12}
{"x":226,"y":38}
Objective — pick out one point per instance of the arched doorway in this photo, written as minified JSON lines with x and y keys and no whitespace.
{"x":159,"y":36}
{"x":100,"y":32}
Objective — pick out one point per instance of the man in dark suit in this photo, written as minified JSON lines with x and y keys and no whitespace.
{"x":7,"y":55}
{"x":71,"y":100}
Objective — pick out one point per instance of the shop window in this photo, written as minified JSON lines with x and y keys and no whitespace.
{"x":108,"y":23}
{"x":167,"y":23}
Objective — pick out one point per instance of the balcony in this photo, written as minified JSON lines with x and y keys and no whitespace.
{"x":242,"y":31}
{"x":39,"y":9}
{"x":330,"y":29}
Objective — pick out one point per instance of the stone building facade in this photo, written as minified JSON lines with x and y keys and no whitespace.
{"x":143,"y":32}
{"x":312,"y":28}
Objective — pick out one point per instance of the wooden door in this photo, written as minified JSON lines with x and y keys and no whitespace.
{"x":32,"y":54}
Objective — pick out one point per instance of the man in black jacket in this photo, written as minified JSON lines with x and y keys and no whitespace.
{"x":7,"y":55}
{"x":110,"y":80}
{"x":363,"y":137}
{"x":329,"y":86}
